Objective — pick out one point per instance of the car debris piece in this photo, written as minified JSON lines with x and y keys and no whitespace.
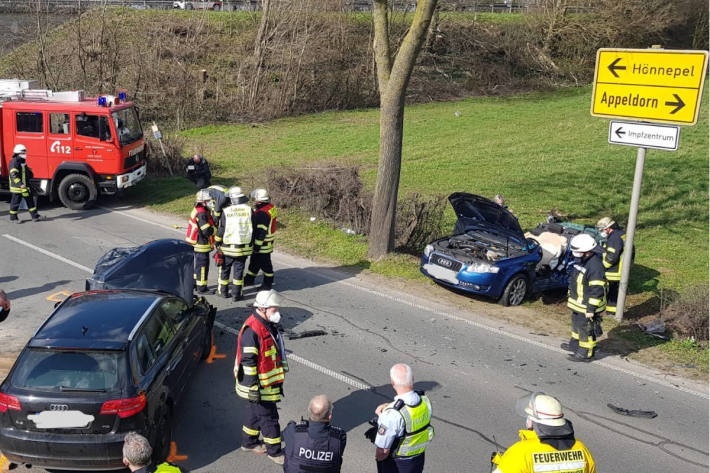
{"x":305,"y":334}
{"x":633,"y":412}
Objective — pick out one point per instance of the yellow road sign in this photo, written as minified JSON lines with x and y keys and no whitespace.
{"x":652,"y":85}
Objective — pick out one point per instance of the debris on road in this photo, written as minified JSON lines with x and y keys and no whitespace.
{"x":632,"y":413}
{"x":305,"y":334}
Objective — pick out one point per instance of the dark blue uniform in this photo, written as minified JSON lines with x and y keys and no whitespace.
{"x":313,"y":447}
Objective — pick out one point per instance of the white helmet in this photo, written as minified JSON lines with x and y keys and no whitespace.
{"x":260,"y":195}
{"x":203,"y":195}
{"x":266,"y":299}
{"x":541,"y":408}
{"x":582,"y":243}
{"x":19,"y":149}
{"x":235,"y":193}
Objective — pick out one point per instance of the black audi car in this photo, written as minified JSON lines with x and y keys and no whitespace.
{"x":107,"y":362}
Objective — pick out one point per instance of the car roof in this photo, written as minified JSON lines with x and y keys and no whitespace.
{"x":95,"y":319}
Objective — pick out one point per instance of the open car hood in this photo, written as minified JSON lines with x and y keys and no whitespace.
{"x":478,"y":213}
{"x":162,"y":265}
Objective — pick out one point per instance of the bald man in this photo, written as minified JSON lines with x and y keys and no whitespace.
{"x":314,"y":444}
{"x":403,"y":428}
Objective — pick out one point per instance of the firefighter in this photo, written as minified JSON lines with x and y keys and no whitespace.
{"x":260,"y":368}
{"x":314,"y":444}
{"x":264,"y":222}
{"x":137,"y":454}
{"x":20,"y":176}
{"x":197,"y":169}
{"x":219,"y":198}
{"x":234,"y":236}
{"x":200,"y":234}
{"x":586,"y":297}
{"x":612,"y":258}
{"x":403,"y":428}
{"x":548,"y":442}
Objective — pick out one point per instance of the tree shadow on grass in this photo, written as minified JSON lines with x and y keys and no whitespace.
{"x":624,"y":340}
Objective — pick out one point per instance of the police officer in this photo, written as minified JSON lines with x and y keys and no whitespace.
{"x":20,"y":176}
{"x":403,"y":428}
{"x":197,"y":169}
{"x":137,"y":454}
{"x":586,"y":297}
{"x":234,"y":235}
{"x":260,"y":368}
{"x":200,"y":234}
{"x":547,"y":444}
{"x":612,"y":258}
{"x":264,"y":222}
{"x":314,"y":444}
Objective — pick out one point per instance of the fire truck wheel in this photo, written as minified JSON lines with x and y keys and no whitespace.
{"x":77,"y":191}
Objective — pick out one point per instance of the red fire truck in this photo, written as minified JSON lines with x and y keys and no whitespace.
{"x":77,"y":147}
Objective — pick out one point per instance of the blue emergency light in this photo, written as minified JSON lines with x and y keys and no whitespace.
{"x":122,"y":96}
{"x":102,"y":101}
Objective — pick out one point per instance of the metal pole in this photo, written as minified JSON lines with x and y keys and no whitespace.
{"x":630,"y":231}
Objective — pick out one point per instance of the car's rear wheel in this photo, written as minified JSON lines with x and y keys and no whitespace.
{"x":515,"y":291}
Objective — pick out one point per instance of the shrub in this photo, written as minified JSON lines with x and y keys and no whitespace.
{"x":687,"y":316}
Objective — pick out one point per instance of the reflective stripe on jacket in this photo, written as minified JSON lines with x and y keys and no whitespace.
{"x":264,"y":222}
{"x":271,"y":364}
{"x":200,"y":230}
{"x":19,"y":174}
{"x":531,"y":455}
{"x":614,"y":254}
{"x":418,"y":432}
{"x":587,"y":286}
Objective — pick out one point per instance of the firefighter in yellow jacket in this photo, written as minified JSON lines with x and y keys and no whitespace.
{"x":260,"y":368}
{"x":200,"y":234}
{"x":548,"y":443}
{"x":612,"y":258}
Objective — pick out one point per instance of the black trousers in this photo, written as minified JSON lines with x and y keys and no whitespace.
{"x":16,"y":200}
{"x":261,"y":262}
{"x":612,"y":297}
{"x":238,"y":263}
{"x":402,"y":465}
{"x":201,"y":182}
{"x":262,"y":418}
{"x":202,"y":270}
{"x":584,"y":339}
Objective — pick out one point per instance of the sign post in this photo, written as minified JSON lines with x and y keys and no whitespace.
{"x":648,"y":85}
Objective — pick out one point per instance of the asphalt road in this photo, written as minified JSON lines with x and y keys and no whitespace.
{"x":473,"y":368}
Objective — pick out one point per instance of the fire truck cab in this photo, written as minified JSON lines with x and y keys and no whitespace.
{"x":77,"y":147}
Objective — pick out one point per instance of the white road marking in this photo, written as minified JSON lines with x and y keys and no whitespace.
{"x":416,"y":306}
{"x":49,"y":253}
{"x":294,"y":357}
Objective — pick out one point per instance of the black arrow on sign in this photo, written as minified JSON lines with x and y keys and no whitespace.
{"x":678,"y":104}
{"x":619,"y":132}
{"x":613,"y":67}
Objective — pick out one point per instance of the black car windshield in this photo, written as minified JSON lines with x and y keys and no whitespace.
{"x":52,"y":370}
{"x":128,"y":127}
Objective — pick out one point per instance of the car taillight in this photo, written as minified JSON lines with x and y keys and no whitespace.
{"x":9,"y":402}
{"x":124,"y":407}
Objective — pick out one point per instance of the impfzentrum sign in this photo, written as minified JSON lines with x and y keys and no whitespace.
{"x":653,"y":85}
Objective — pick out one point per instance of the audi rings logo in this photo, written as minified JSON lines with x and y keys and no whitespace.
{"x":444,"y":262}
{"x":58,"y":407}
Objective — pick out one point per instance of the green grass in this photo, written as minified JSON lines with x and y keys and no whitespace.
{"x":542,"y":151}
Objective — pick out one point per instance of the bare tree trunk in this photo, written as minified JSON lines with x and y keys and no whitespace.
{"x":393,"y":78}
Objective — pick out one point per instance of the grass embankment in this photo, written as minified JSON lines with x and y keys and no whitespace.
{"x":542,"y":151}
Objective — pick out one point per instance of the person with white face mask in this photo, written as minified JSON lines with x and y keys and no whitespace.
{"x":20,"y":176}
{"x":260,"y":368}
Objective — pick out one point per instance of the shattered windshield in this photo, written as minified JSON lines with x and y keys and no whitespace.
{"x":128,"y":127}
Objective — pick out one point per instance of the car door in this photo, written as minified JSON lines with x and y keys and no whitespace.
{"x":30,"y":131}
{"x":93,"y":142}
{"x":189,"y":333}
{"x":60,"y":142}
